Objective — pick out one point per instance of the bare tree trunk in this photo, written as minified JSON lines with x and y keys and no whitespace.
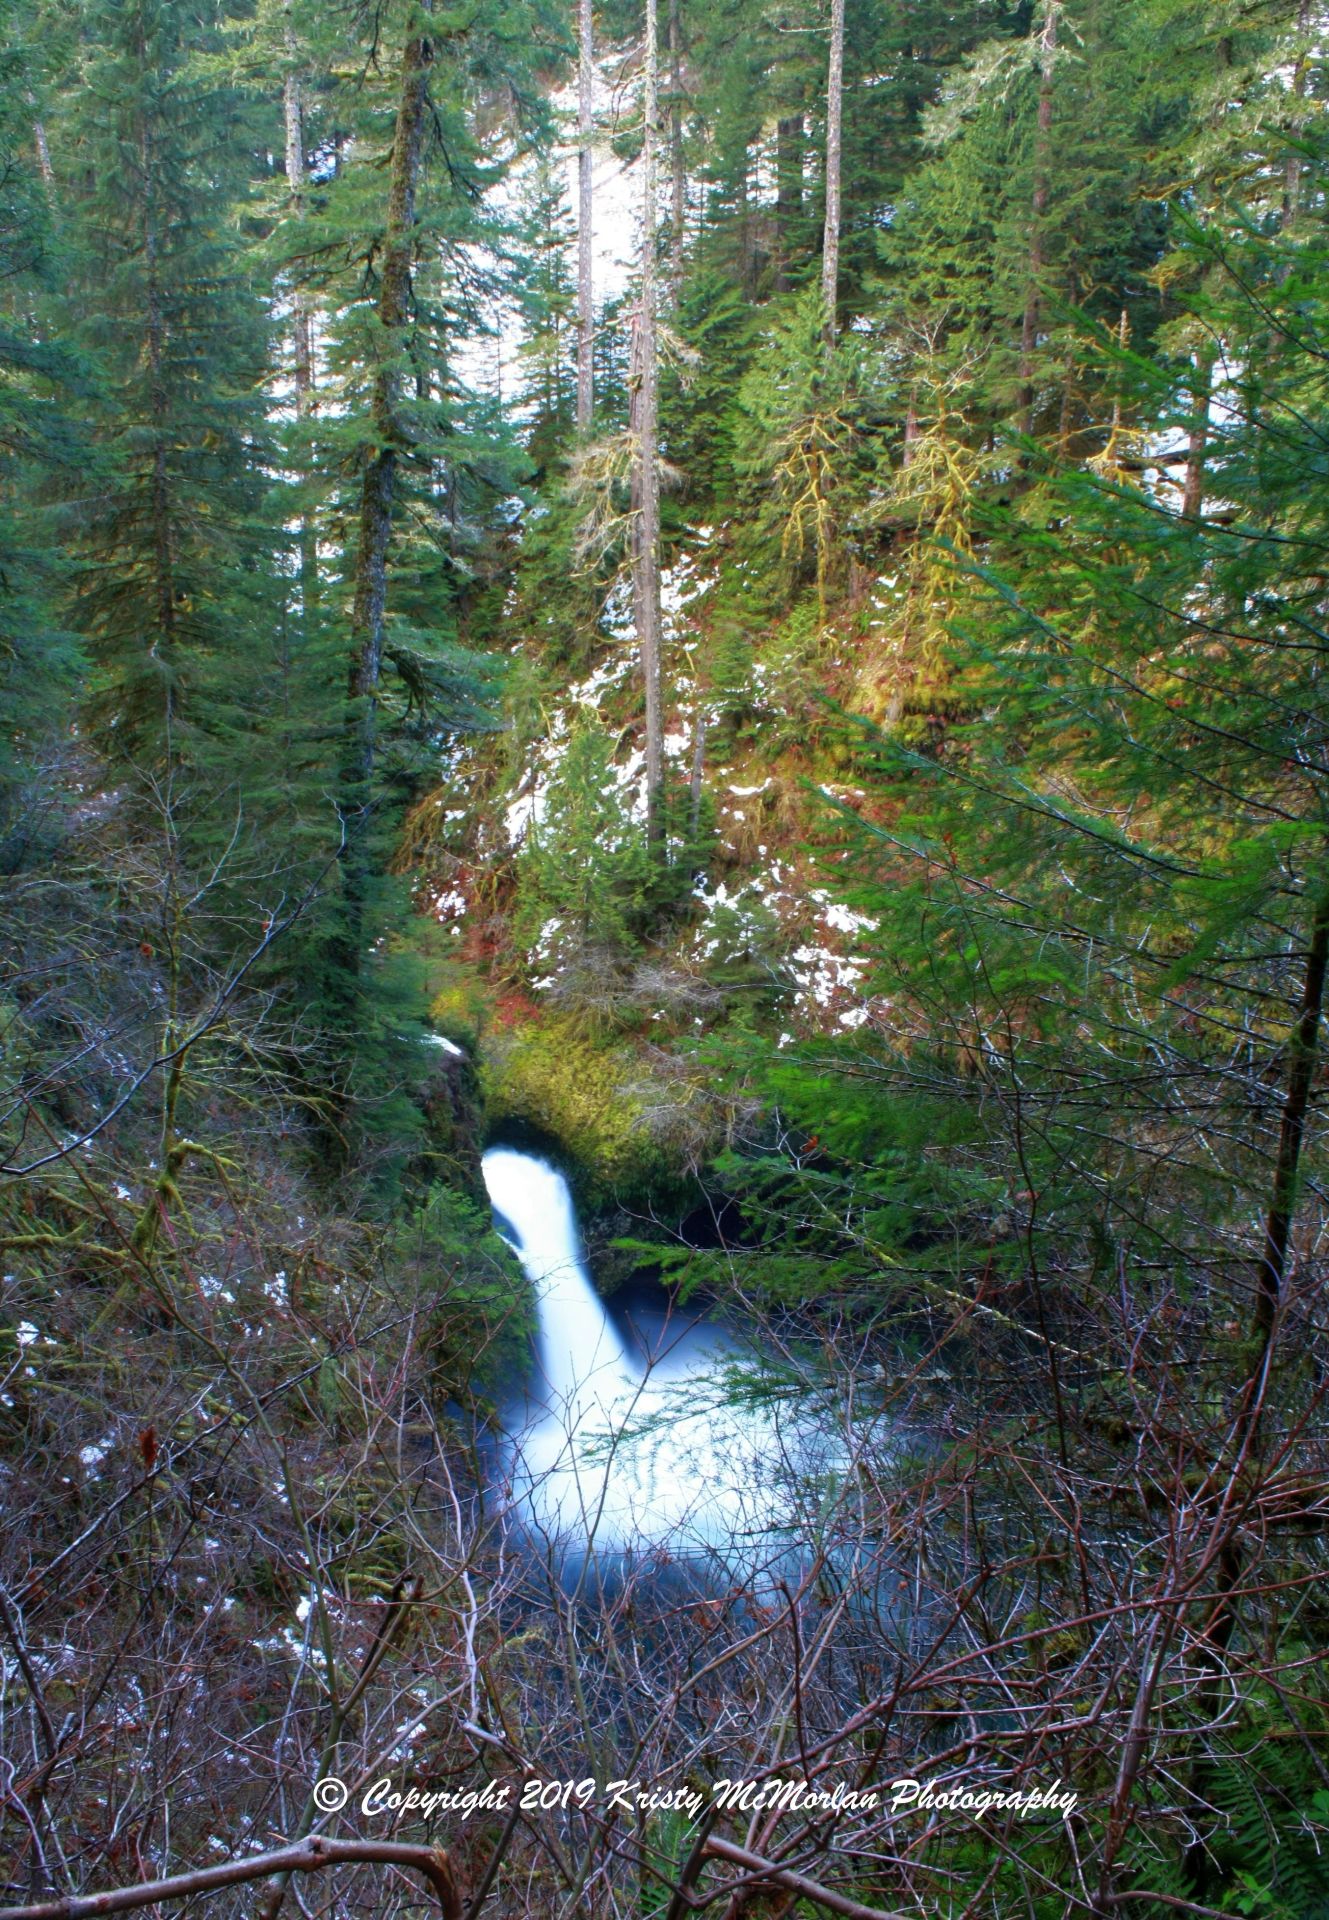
{"x":646,"y":583}
{"x":293,"y":107}
{"x":585,"y":210}
{"x":1038,"y":212}
{"x":788,"y":193}
{"x":677,"y":178}
{"x":830,"y":245}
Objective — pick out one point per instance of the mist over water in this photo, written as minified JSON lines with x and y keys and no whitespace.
{"x":620,"y":1442}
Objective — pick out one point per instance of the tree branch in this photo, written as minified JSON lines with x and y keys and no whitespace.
{"x":310,"y":1856}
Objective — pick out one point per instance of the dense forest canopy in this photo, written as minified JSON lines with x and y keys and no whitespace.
{"x":734,"y":598}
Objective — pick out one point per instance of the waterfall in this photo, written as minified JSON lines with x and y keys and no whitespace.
{"x":583,"y":1363}
{"x":617,"y":1446}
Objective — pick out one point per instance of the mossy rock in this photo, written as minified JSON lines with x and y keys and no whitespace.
{"x":619,"y":1137}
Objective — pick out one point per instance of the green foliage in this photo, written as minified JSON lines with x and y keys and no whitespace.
{"x":39,"y":664}
{"x":699,"y":417}
{"x":801,"y":443}
{"x":584,"y":873}
{"x":172,"y":571}
{"x":479,"y":1316}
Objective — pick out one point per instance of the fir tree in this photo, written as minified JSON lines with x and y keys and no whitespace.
{"x":173,"y":590}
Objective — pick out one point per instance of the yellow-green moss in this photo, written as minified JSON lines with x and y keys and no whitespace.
{"x":460,"y":1008}
{"x":621,"y":1132}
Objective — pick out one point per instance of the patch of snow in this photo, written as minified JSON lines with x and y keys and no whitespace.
{"x":608,"y":674}
{"x":527,"y":810}
{"x":91,"y":1457}
{"x":844,"y":920}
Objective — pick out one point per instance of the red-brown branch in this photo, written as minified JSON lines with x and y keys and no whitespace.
{"x":779,"y":1876}
{"x":309,"y":1856}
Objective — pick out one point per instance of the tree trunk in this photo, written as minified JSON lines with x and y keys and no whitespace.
{"x":646,"y":570}
{"x":1038,"y":212}
{"x":695,"y":784}
{"x":1296,"y":1104}
{"x":1292,"y":172}
{"x":163,"y":647}
{"x":1270,"y":1274}
{"x":830,"y":245}
{"x":1192,"y":493}
{"x":380,"y":476}
{"x":788,"y":194}
{"x":293,"y":110}
{"x":746,"y":251}
{"x":677,"y":178}
{"x":585,"y":231}
{"x":295,"y":180}
{"x":43,"y":156}
{"x":910,"y":431}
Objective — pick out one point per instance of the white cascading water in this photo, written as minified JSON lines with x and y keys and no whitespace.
{"x":614,"y":1446}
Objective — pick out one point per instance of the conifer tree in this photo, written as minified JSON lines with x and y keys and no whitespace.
{"x":172,"y":586}
{"x":550,"y":349}
{"x":38,"y":379}
{"x":584,"y":872}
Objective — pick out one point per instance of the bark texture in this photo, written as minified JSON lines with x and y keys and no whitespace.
{"x":585,"y":216}
{"x":307,"y":1856}
{"x":677,"y":176}
{"x":830,"y":244}
{"x":293,"y":114}
{"x":1047,"y":58}
{"x":646,"y":570}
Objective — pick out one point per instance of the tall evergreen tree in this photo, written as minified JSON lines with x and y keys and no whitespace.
{"x":172,"y":584}
{"x":38,"y":376}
